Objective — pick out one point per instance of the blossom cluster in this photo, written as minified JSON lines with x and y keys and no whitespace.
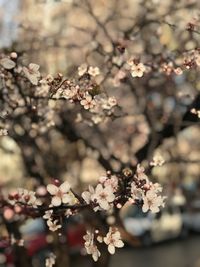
{"x":25,"y":197}
{"x":147,"y":192}
{"x":112,"y":240}
{"x":32,"y":94}
{"x":111,"y":192}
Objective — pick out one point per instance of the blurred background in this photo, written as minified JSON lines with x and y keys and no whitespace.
{"x":62,"y":35}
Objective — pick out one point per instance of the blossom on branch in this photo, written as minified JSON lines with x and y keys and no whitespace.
{"x":113,"y":240}
{"x":104,"y":196}
{"x":88,"y":102}
{"x":32,"y":73}
{"x":90,"y":246}
{"x":61,"y":194}
{"x":152,"y":202}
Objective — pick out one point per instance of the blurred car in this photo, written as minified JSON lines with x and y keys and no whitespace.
{"x":191,"y":216}
{"x":151,"y":228}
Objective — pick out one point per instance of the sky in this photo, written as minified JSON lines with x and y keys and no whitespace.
{"x":8,"y":23}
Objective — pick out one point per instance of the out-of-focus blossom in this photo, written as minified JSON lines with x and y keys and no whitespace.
{"x":3,"y":132}
{"x":93,"y":71}
{"x":51,"y":260}
{"x":32,"y":73}
{"x":137,"y":70}
{"x":158,"y":160}
{"x":88,"y":102}
{"x":196,"y":112}
{"x":7,"y":63}
{"x":82,"y":69}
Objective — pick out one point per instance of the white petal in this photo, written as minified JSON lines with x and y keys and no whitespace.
{"x":66,"y":198}
{"x":56,"y":201}
{"x":65,"y":187}
{"x":33,"y":79}
{"x":99,"y":189}
{"x":86,"y":196}
{"x":119,"y":244}
{"x":104,"y":205}
{"x":52,"y":189}
{"x":111,"y":249}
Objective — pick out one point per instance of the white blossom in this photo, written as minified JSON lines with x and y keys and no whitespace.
{"x":3,"y":132}
{"x":103,"y":196}
{"x":113,"y":240}
{"x":32,"y":73}
{"x":82,"y":69}
{"x":112,"y":101}
{"x":48,"y":214}
{"x":51,"y":260}
{"x":53,"y":225}
{"x":87,"y":195}
{"x":90,"y":246}
{"x":88,"y":102}
{"x":137,"y":70}
{"x":27,"y":197}
{"x":61,"y":194}
{"x":7,"y":63}
{"x":152,"y":202}
{"x":93,"y":71}
{"x":158,"y":160}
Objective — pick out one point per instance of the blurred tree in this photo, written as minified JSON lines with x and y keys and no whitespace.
{"x":132,"y":96}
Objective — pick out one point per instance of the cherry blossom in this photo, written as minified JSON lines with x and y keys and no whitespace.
{"x":51,"y":260}
{"x":196,"y":112}
{"x":25,"y":197}
{"x":82,"y":69}
{"x":137,"y":69}
{"x":112,"y":101}
{"x":32,"y":73}
{"x":136,"y":193}
{"x":113,"y":240}
{"x":109,"y":181}
{"x":152,"y":202}
{"x":48,"y":214}
{"x":53,"y":225}
{"x":158,"y":160}
{"x":93,"y":71}
{"x":90,"y":246}
{"x":61,"y":194}
{"x":19,"y":242}
{"x":3,"y":132}
{"x":88,"y":102}
{"x":103,"y":196}
{"x":87,"y":195}
{"x":7,"y":63}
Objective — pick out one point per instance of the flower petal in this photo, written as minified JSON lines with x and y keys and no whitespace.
{"x":56,"y":201}
{"x":111,"y":249}
{"x":67,"y":198}
{"x":65,"y":187}
{"x":52,"y":189}
{"x":119,"y":244}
